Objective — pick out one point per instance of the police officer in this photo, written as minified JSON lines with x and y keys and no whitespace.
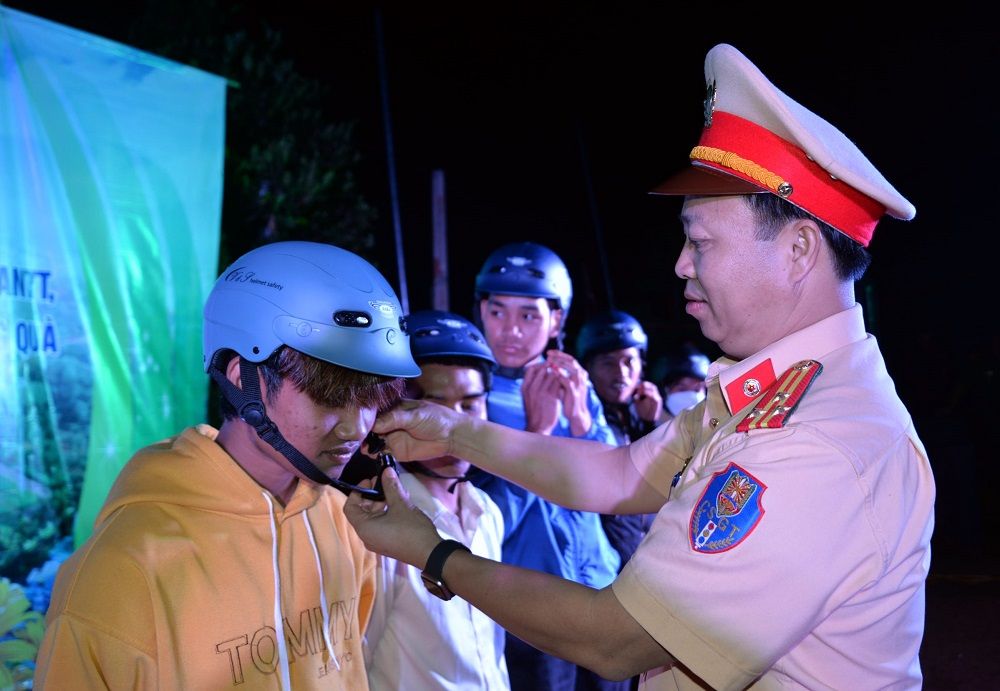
{"x":795,"y":503}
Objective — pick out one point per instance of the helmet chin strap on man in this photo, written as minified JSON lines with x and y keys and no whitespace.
{"x":250,"y":407}
{"x":418,"y":467}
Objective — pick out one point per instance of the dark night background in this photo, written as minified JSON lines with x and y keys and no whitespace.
{"x":526,"y":107}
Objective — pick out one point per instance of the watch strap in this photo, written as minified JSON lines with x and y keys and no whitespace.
{"x":438,"y":556}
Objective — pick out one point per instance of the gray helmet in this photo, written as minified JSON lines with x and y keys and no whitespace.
{"x":322,"y":300}
{"x":607,"y":331}
{"x":436,"y":334}
{"x":527,"y":269}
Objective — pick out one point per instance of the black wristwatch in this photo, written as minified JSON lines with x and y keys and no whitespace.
{"x":435,"y":565}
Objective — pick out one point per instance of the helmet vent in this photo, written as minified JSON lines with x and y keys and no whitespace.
{"x":351,"y":318}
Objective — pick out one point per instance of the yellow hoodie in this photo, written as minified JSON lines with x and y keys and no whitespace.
{"x":178,"y":586}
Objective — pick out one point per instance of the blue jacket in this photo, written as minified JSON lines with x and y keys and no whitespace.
{"x":539,"y":534}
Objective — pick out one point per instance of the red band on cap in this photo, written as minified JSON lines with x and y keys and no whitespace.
{"x":813,"y":189}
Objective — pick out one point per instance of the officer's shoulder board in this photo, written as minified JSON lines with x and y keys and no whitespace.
{"x":780,"y":399}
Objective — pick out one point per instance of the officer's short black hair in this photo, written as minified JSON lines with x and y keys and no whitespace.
{"x":771,"y":212}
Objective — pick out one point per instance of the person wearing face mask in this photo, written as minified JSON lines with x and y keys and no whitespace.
{"x":682,"y":374}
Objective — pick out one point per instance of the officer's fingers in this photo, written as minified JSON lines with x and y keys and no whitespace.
{"x":397,"y":417}
{"x":395,"y":495}
{"x":358,"y":505}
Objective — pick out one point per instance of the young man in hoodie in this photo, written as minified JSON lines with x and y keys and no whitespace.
{"x":222,"y":558}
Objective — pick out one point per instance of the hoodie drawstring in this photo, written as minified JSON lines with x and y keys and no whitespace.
{"x":322,"y":593}
{"x":279,"y":620}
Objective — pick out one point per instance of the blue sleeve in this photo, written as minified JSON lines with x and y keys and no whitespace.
{"x":597,"y":561}
{"x":599,"y":430}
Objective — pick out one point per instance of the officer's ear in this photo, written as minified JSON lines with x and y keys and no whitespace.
{"x":803,"y":244}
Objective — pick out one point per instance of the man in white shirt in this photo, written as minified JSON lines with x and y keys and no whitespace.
{"x":416,"y":640}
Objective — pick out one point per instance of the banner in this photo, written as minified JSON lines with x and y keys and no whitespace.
{"x":111,"y":163}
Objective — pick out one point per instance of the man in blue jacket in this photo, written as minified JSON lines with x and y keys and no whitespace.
{"x":523,"y":294}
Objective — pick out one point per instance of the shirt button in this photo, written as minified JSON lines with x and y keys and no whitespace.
{"x":714,"y":422}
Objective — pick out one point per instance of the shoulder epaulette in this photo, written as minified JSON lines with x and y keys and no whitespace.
{"x":782,"y":397}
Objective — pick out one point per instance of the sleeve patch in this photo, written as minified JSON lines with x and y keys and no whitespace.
{"x":727,"y":512}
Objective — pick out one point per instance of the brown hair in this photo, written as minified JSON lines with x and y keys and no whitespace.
{"x":325,"y":383}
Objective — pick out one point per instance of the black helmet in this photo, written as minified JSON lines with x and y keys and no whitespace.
{"x":607,"y":331}
{"x":436,"y":334}
{"x":527,"y":269}
{"x":680,"y":362}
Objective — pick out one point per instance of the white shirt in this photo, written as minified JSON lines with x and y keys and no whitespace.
{"x":416,"y":641}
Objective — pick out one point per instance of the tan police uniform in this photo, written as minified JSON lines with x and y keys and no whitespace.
{"x":795,"y":554}
{"x":794,"y":546}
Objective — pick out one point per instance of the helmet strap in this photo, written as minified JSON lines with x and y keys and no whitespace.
{"x":250,"y":407}
{"x":421,"y":469}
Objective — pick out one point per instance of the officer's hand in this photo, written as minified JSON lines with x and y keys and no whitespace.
{"x":419,"y":430}
{"x":648,"y":401}
{"x":575,"y":386}
{"x":394,"y":527}
{"x":541,"y":391}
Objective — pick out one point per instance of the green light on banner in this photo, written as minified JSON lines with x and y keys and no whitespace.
{"x":111,"y":165}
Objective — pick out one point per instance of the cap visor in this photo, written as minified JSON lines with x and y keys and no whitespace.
{"x":699,"y":180}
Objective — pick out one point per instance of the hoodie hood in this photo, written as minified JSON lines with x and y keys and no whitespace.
{"x":193,"y":471}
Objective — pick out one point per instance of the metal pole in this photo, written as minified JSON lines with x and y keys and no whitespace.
{"x":439,"y":282}
{"x":404,"y":299}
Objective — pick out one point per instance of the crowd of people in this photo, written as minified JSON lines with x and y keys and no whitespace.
{"x":439,"y":501}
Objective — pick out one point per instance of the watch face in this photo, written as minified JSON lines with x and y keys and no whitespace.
{"x":436,"y":588}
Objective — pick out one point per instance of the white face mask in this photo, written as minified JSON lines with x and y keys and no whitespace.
{"x":679,"y":400}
